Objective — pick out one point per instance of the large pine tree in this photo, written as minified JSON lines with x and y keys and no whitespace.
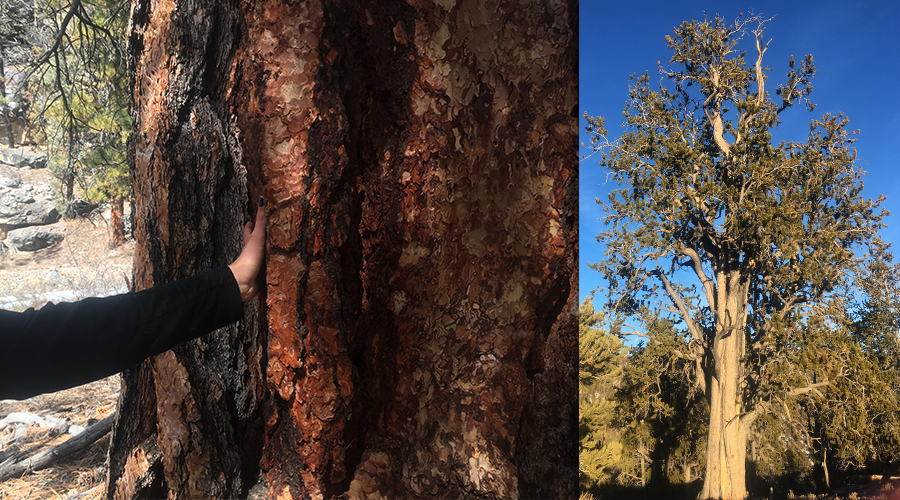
{"x":739,"y":238}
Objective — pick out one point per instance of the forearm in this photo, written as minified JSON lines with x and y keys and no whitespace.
{"x":68,"y":344}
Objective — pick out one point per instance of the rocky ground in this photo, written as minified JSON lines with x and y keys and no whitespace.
{"x":80,"y":265}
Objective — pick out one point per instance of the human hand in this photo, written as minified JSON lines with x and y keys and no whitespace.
{"x":247,"y":265}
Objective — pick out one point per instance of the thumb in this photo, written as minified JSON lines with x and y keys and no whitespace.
{"x":248,"y":230}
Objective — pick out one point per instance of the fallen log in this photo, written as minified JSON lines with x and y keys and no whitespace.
{"x":49,"y":457}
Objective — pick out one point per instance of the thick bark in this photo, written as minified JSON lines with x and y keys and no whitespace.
{"x":190,"y":419}
{"x":419,"y":163}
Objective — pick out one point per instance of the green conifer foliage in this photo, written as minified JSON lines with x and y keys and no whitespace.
{"x":83,"y":71}
{"x":861,"y":411}
{"x":661,"y":410}
{"x":600,"y":358}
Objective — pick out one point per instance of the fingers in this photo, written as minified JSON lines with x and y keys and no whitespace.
{"x":255,"y":234}
{"x":258,"y":237}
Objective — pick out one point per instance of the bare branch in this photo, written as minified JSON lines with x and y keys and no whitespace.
{"x":760,"y":77}
{"x":708,"y":283}
{"x":682,"y":309}
{"x":811,"y":387}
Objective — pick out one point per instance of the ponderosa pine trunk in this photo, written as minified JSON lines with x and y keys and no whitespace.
{"x":417,"y":334}
{"x":116,"y":222}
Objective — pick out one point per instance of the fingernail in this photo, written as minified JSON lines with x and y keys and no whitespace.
{"x":262,"y":202}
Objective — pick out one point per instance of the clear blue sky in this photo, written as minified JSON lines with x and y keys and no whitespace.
{"x":856,"y":49}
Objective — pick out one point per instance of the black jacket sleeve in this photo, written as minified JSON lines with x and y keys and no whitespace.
{"x":69,"y":344}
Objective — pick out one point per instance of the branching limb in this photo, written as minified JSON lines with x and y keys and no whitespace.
{"x":682,"y":309}
{"x":709,"y":284}
{"x":809,"y":388}
{"x":760,"y":77}
{"x":57,"y":42}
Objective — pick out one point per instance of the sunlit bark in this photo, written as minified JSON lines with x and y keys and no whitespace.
{"x":417,"y":334}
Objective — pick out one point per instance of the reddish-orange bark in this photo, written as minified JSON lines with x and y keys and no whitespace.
{"x":116,"y":222}
{"x":298,"y":153}
{"x":419,"y":164}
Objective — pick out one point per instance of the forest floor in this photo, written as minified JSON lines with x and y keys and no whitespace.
{"x":81,"y":475}
{"x":81,"y":265}
{"x":865,"y":489}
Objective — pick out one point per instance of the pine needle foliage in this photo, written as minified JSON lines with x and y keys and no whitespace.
{"x":600,"y":359}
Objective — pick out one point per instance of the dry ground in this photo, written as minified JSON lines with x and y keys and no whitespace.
{"x":81,"y":263}
{"x":866,"y":489}
{"x":78,"y":473}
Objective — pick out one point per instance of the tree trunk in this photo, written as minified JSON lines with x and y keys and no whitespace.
{"x":643,"y":477}
{"x":190,"y":420}
{"x":728,"y":432}
{"x":418,"y":332}
{"x":7,"y":120}
{"x":116,"y":222}
{"x":642,"y":453}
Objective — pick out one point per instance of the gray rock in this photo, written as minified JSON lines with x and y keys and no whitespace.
{"x":79,"y":208}
{"x":19,"y":208}
{"x":31,"y":239}
{"x":23,"y":159}
{"x":9,"y":177}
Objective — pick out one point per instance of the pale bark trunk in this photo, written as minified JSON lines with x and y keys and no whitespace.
{"x":643,"y":466}
{"x":418,"y":160}
{"x":727,"y":445}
